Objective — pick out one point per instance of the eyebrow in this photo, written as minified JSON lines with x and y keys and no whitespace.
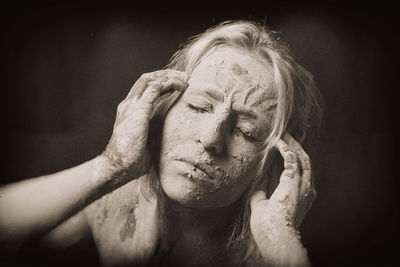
{"x":211,"y":92}
{"x":246,"y":111}
{"x":215,"y":94}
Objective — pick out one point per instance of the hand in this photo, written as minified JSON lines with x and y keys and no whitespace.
{"x":127,"y":148}
{"x":275,"y":222}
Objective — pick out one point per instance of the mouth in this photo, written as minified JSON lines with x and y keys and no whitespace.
{"x":197,"y":168}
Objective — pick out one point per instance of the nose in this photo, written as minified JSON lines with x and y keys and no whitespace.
{"x":213,"y":134}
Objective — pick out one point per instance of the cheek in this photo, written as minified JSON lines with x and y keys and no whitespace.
{"x":241,"y":171}
{"x":180,"y":126}
{"x":172,"y":131}
{"x":242,"y":166}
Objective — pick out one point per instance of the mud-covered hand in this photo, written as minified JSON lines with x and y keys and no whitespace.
{"x":275,"y":222}
{"x":127,"y":148}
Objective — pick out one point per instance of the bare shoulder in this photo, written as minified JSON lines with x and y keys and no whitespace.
{"x":120,"y":201}
{"x":124,"y":225}
{"x":110,"y":217}
{"x":91,"y":219}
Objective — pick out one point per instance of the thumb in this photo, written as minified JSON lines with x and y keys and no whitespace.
{"x":258,"y":196}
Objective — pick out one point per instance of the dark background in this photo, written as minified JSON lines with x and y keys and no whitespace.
{"x":66,"y":66}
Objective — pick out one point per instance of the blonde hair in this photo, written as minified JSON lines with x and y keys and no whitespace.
{"x":298,"y":109}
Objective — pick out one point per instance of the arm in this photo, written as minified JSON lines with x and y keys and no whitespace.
{"x":33,"y":207}
{"x":73,"y":231}
{"x":275,"y":222}
{"x":280,"y":245}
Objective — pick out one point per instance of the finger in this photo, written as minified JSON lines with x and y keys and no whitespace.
{"x":305,"y":162}
{"x":308,"y":204}
{"x":258,"y":196}
{"x":139,"y":86}
{"x":286,"y":191}
{"x":170,"y":73}
{"x":289,"y":181}
{"x":174,"y":83}
{"x":289,"y":159}
{"x":172,"y":79}
{"x":155,"y":88}
{"x":162,"y":75}
{"x":150,"y":86}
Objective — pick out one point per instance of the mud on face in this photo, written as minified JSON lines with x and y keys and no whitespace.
{"x":212,"y":136}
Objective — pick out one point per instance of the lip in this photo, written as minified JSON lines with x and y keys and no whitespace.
{"x":205,"y":168}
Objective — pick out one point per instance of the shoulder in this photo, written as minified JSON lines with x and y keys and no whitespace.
{"x":113,"y":205}
{"x":124,"y":224}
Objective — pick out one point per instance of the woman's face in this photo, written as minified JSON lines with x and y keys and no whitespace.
{"x":212,"y":137}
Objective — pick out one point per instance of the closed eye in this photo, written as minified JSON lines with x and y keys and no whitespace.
{"x":196,"y":108}
{"x":199,"y":105}
{"x":244,"y":133}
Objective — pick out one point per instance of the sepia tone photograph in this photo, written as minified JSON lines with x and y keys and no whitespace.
{"x":199,"y":134}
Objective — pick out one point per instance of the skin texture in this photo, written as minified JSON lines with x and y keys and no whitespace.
{"x":212,"y":136}
{"x":275,"y":222}
{"x":63,"y":194}
{"x":127,"y":149}
{"x":209,"y":156}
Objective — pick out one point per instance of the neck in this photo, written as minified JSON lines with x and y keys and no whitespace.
{"x":197,"y":234}
{"x":212,"y":221}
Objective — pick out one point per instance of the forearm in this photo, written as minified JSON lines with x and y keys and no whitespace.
{"x":34,"y":206}
{"x":282,"y":246}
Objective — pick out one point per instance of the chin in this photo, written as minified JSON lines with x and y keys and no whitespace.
{"x":193,"y":195}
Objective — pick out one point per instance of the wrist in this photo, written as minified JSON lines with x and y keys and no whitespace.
{"x":280,"y":243}
{"x":112,"y":161}
{"x":136,"y":164}
{"x":274,"y":227}
{"x":109,"y":171}
{"x":106,"y":172}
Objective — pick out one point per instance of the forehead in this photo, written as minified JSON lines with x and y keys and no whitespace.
{"x":235,"y":72}
{"x":226,"y":65}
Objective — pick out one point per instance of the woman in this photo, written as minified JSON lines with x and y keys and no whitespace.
{"x":190,"y":176}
